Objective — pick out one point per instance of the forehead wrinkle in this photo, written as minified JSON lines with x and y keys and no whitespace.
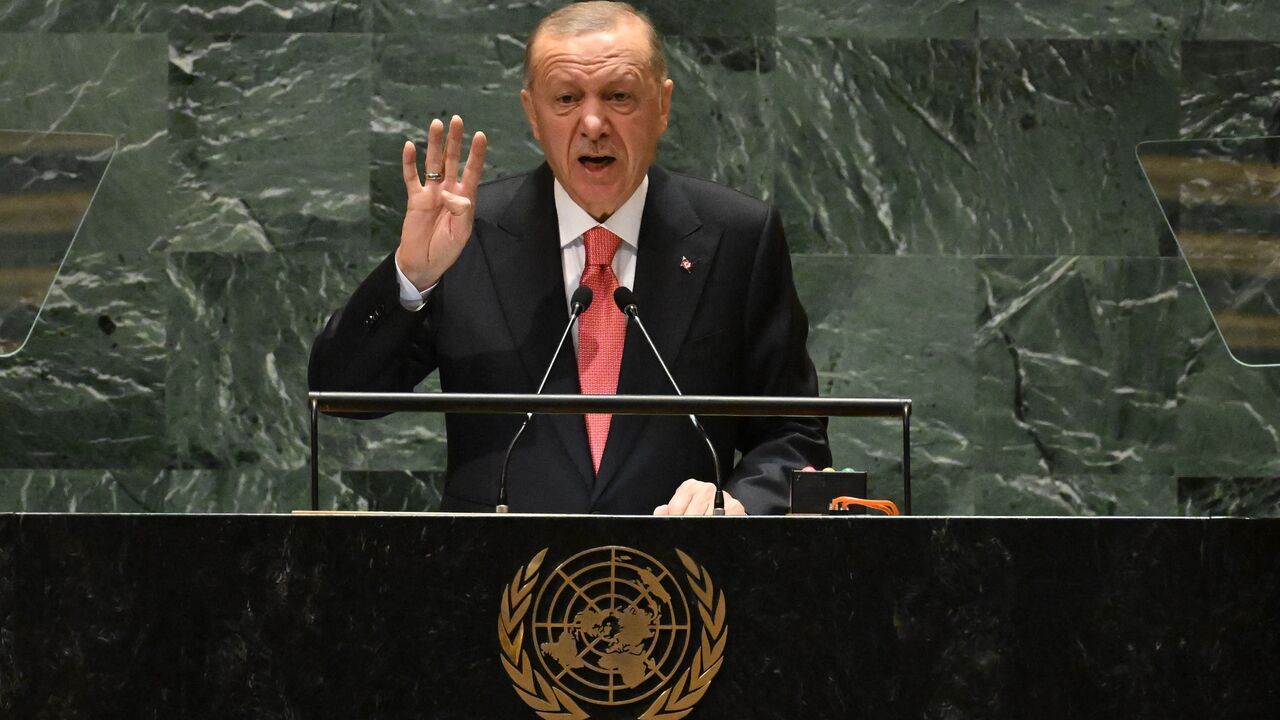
{"x":569,"y":64}
{"x":627,"y":61}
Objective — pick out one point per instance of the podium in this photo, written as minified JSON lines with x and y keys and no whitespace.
{"x":384,"y":616}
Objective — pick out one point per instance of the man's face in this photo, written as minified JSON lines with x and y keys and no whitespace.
{"x":597,"y":110}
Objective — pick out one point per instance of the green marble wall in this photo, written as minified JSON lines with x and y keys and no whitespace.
{"x":958,"y":179}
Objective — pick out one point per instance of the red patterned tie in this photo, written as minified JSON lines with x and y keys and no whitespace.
{"x":602,"y":329}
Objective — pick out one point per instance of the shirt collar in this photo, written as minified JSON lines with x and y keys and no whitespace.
{"x":625,"y":223}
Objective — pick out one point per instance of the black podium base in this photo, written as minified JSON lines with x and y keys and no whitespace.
{"x":420,"y":617}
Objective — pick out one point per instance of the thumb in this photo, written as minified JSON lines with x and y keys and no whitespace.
{"x":455,"y":204}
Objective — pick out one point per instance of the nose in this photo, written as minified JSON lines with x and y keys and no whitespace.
{"x":595,"y":119}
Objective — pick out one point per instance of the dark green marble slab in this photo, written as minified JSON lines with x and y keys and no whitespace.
{"x":1231,"y":19}
{"x":1228,"y":414}
{"x":391,"y":490}
{"x":1079,"y":361}
{"x":269,"y":140}
{"x":1086,"y":495}
{"x":876,"y":146}
{"x":878,"y":19}
{"x":95,"y":491}
{"x":188,"y":16}
{"x":241,"y":490}
{"x":250,"y":319}
{"x":105,"y":84}
{"x":1230,"y":89}
{"x":86,"y":391}
{"x":1217,"y":497}
{"x":1139,"y":19}
{"x":898,"y":327}
{"x":1059,"y":121}
{"x":720,"y":18}
{"x":443,"y":20}
{"x":722,"y":111}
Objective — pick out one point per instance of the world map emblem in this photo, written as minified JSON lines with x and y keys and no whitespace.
{"x":612,"y":627}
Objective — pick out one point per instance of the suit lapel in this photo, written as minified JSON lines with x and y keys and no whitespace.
{"x":667,"y":294}
{"x":529,"y":280}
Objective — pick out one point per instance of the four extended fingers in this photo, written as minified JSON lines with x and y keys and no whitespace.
{"x":443,"y":154}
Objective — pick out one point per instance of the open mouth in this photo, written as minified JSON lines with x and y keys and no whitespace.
{"x":596,"y":162}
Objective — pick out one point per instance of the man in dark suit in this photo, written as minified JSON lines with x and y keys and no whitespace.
{"x":478,"y":290}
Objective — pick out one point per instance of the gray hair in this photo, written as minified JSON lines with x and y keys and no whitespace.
{"x":590,"y":17}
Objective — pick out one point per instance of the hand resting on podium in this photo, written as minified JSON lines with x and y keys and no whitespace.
{"x":695,"y":497}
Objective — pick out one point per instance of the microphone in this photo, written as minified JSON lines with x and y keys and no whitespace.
{"x":626,"y":302}
{"x":578,"y":304}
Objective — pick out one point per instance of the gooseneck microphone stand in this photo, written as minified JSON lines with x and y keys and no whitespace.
{"x":577,"y":305}
{"x":625,"y":299}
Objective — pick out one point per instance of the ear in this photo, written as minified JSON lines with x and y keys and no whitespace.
{"x":526,"y":100}
{"x":665,"y":100}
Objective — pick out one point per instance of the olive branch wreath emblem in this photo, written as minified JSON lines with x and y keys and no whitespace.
{"x":553,"y":703}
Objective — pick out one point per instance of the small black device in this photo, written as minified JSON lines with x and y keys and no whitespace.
{"x":812,"y":491}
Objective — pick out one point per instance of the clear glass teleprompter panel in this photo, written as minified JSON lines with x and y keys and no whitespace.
{"x":1222,"y":201}
{"x":47,"y":182}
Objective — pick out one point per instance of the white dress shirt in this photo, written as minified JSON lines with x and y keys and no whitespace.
{"x":573,"y":222}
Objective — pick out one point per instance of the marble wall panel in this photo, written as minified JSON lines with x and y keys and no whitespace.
{"x":721,"y":18}
{"x":86,"y":391}
{"x":215,"y":16}
{"x":93,"y":491}
{"x":269,"y":141}
{"x":878,"y":19}
{"x":439,"y":21}
{"x":243,"y":404}
{"x":876,"y":146}
{"x":391,"y":491}
{"x":1078,"y":363}
{"x":1059,"y":121}
{"x":107,"y":84}
{"x":1055,"y":19}
{"x":1037,"y":494}
{"x":1228,"y":414}
{"x":722,"y":111}
{"x":1230,"y":89}
{"x":898,"y":327}
{"x":1234,"y":497}
{"x":244,"y":490}
{"x":1231,"y":19}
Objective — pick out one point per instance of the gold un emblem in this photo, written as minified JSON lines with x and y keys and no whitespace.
{"x":608,"y":627}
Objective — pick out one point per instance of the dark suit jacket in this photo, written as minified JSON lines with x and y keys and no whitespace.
{"x":730,"y":325}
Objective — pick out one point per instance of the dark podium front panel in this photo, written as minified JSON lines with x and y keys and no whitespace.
{"x":120,"y":616}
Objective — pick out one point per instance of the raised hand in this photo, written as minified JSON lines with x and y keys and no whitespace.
{"x":441,"y":210}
